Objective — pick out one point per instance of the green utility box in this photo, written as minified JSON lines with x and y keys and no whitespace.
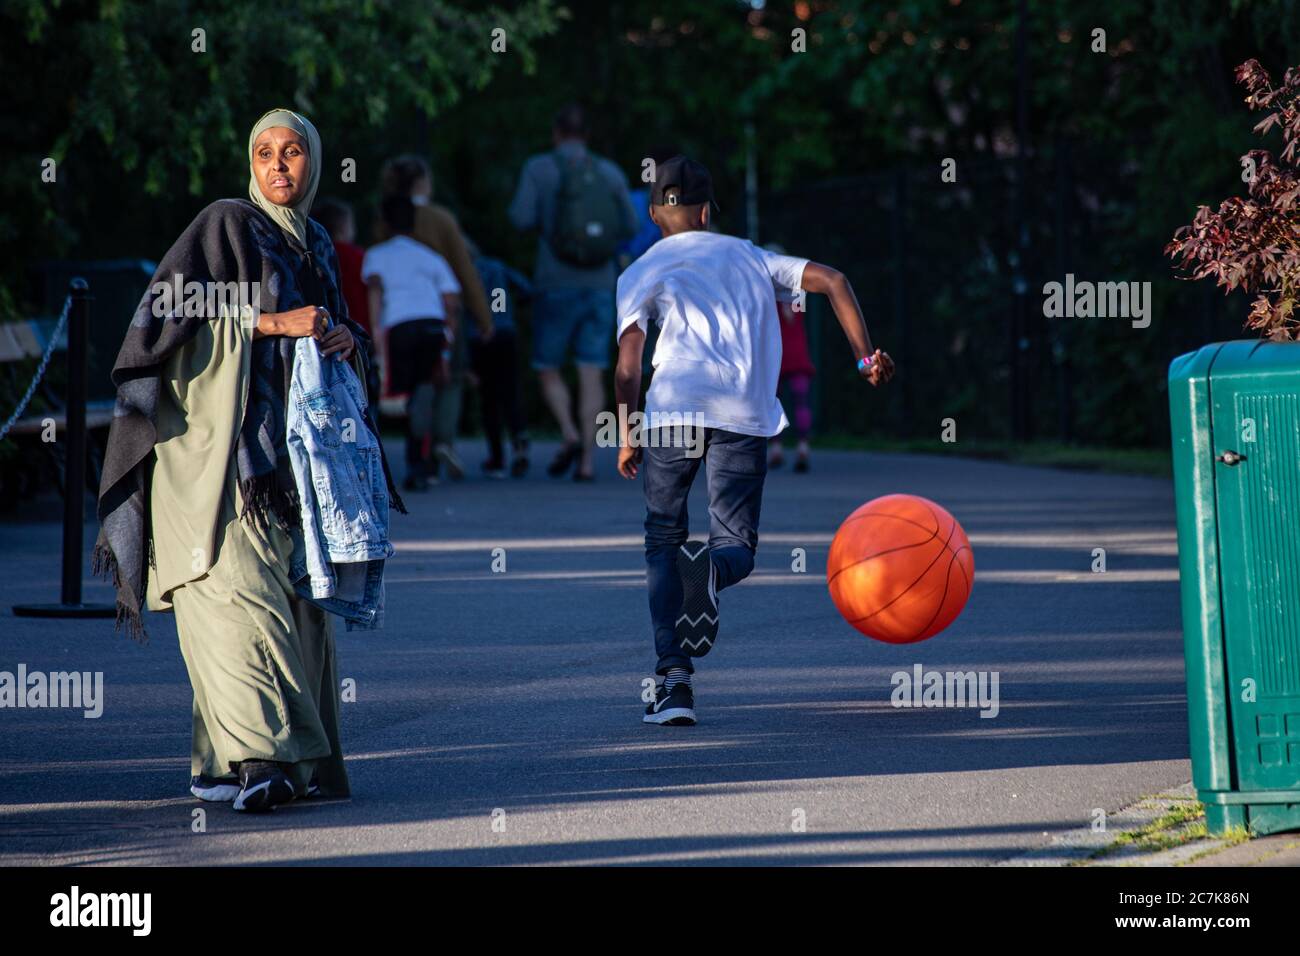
{"x":1235,"y":414}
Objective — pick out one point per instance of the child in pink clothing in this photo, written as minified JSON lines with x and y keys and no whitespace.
{"x":797,"y":371}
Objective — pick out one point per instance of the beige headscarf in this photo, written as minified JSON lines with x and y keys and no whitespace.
{"x":292,"y":219}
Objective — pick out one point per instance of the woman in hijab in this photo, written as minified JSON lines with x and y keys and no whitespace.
{"x":198,"y":506}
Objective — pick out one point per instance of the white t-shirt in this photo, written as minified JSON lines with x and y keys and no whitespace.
{"x":719,"y":351}
{"x":415,"y":279}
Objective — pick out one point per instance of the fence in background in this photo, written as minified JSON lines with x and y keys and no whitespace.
{"x":933,"y":266}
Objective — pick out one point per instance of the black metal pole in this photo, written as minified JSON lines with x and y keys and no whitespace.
{"x":74,"y":492}
{"x":1020,"y":306}
{"x":74,"y":471}
{"x":1061,"y":338}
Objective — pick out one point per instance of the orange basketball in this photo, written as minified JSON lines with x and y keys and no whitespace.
{"x":900,"y":569}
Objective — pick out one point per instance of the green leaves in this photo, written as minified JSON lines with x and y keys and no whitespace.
{"x":119,"y":87}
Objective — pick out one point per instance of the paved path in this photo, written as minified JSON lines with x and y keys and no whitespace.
{"x":519,"y":692}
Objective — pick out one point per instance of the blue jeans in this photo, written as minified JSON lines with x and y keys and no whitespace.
{"x":577,"y":319}
{"x":736,"y":466}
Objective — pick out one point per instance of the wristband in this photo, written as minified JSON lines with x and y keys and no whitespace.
{"x":865,"y":362}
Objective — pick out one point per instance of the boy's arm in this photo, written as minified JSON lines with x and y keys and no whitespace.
{"x":832,"y":283}
{"x":627,"y":394}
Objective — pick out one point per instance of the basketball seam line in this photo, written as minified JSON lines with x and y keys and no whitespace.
{"x":916,"y":544}
{"x":960,"y":568}
{"x":947,"y":578}
{"x":946,"y":547}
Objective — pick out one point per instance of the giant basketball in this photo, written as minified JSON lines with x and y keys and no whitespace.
{"x":900,"y":569}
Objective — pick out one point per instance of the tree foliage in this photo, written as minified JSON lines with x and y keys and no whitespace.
{"x":145,"y":131}
{"x":156,"y":97}
{"x":1253,"y":243}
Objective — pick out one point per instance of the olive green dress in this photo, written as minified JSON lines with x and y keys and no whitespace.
{"x":261,"y":659}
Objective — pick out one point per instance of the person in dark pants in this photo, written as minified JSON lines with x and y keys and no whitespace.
{"x":712,"y":399}
{"x":416,"y":299}
{"x":437,"y":228}
{"x":496,"y":365}
{"x":735,"y":466}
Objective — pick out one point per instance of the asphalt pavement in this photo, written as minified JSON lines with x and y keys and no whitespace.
{"x":497,"y":718}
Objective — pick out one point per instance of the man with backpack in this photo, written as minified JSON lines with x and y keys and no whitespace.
{"x":579,"y":205}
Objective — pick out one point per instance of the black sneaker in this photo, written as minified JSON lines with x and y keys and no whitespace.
{"x":675,"y":708}
{"x":214,"y":789}
{"x":263,"y":785}
{"x":697,"y":624}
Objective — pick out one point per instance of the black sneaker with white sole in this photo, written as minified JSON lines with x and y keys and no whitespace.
{"x":214,"y":789}
{"x":697,"y":622}
{"x":674,"y":707}
{"x":263,"y":786}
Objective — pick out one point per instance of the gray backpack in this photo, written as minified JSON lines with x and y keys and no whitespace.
{"x":588,"y":219}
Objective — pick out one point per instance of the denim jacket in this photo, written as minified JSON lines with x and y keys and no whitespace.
{"x":342,"y":490}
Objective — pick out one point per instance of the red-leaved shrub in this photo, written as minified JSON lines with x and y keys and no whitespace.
{"x":1253,"y":243}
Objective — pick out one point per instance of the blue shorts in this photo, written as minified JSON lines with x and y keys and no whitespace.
{"x":581,"y":320}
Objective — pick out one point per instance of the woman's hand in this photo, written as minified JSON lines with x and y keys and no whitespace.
{"x":338,"y":340}
{"x":310,"y":320}
{"x":297,"y":323}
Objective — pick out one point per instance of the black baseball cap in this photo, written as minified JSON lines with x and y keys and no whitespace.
{"x":690,"y":178}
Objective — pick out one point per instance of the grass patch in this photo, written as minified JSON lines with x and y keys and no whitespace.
{"x":1154,"y":462}
{"x":1182,"y":824}
{"x":1230,"y":837}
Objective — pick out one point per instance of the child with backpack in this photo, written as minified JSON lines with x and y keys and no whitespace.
{"x":715,"y":370}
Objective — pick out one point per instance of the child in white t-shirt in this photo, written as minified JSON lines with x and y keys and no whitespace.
{"x":415,"y":305}
{"x":712,"y":399}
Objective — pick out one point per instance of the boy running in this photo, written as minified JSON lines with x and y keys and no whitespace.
{"x":715,"y":365}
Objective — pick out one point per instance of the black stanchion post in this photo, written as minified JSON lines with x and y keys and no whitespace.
{"x":74,"y":474}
